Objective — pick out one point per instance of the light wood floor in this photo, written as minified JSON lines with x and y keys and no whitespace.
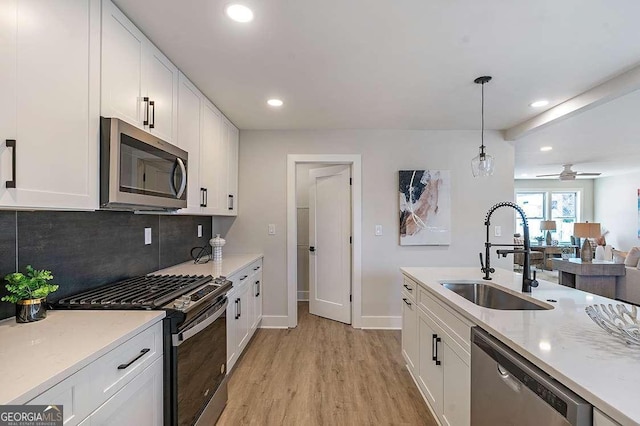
{"x":323,"y":373}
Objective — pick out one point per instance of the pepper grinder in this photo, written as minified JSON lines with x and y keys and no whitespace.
{"x":217,"y":243}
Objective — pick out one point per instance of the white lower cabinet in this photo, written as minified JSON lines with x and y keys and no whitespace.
{"x":436,"y":345}
{"x":123,"y":387}
{"x":244,"y":311}
{"x":137,"y":404}
{"x":601,"y":419}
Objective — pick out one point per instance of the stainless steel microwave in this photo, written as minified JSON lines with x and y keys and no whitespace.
{"x":139,"y":171}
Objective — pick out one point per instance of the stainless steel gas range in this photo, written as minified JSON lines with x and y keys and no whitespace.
{"x":195,"y":337}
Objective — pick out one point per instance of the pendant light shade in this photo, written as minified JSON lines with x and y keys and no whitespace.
{"x":482,"y":164}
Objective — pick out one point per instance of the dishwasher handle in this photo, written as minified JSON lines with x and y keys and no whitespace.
{"x":514,"y":368}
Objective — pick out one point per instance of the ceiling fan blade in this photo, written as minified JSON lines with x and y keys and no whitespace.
{"x":555,"y":174}
{"x":589,"y":174}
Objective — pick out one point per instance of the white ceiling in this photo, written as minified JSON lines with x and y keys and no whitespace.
{"x":404,"y":64}
{"x":605,"y":139}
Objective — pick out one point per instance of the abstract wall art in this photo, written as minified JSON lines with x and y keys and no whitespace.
{"x":425,"y":207}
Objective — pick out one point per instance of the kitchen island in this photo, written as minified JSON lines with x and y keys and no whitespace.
{"x":562,"y":341}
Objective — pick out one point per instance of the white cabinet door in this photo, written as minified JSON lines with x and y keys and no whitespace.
{"x":409,"y":332}
{"x":232,"y":346}
{"x":457,"y":387}
{"x":139,"y":403}
{"x":256,"y":295}
{"x":210,"y":159}
{"x":243,"y":329}
{"x":189,"y":128}
{"x":232,"y":169}
{"x":50,"y":60}
{"x":160,"y":85}
{"x":430,"y":374}
{"x":123,"y":47}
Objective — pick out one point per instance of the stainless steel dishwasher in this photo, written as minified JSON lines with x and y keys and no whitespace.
{"x":508,"y":390}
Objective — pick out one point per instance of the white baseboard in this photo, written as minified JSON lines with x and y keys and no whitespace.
{"x":381,"y":322}
{"x":303,"y":296}
{"x":275,"y":321}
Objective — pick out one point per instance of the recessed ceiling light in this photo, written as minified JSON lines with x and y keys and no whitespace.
{"x":275,"y":102}
{"x":538,"y":104}
{"x":239,"y":13}
{"x":546,"y":148}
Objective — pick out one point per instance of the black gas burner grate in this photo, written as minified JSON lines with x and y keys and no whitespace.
{"x":146,"y":292}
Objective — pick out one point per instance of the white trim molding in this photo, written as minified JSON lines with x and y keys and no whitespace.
{"x":274,"y":321}
{"x":381,"y":322}
{"x":355,"y":160}
{"x":303,"y":296}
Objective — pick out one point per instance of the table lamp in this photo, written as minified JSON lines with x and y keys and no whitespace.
{"x":586,"y":230}
{"x":548,"y":225}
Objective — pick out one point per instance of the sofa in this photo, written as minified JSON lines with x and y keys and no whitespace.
{"x":628,"y":285}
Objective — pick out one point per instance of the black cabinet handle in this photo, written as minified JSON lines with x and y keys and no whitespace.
{"x":153,"y":114}
{"x":140,"y":355}
{"x":206,"y":197}
{"x":202,"y":204}
{"x":312,"y":249}
{"x":11,"y":143}
{"x":434,"y":348}
{"x":257,"y":288}
{"x":244,"y":278}
{"x":146,"y":111}
{"x":230,"y":202}
{"x":237,"y":309}
{"x":408,"y":288}
{"x":406,"y":301}
{"x":256,"y":268}
{"x":240,"y":308}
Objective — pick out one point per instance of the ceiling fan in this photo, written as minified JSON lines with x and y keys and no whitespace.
{"x":568,"y":174}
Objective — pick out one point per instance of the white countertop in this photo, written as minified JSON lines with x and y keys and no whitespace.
{"x":231,"y":263}
{"x":36,"y":356}
{"x":564,"y":341}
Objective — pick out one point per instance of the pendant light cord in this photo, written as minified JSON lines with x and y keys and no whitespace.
{"x":482,"y":131}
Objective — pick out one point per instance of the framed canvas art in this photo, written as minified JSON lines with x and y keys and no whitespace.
{"x":425,"y":207}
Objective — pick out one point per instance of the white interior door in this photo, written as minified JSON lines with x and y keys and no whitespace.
{"x":329,"y":243}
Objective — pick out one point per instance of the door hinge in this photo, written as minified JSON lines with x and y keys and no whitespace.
{"x":350,"y":181}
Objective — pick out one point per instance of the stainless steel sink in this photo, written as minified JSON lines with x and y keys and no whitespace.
{"x":491,"y":297}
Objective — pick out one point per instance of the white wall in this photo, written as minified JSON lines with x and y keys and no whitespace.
{"x":263,"y":177}
{"x":585,"y":186}
{"x":616,"y":208}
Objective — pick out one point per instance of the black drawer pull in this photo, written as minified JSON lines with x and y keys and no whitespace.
{"x":140,"y":355}
{"x":153,"y":115}
{"x":434,"y":348}
{"x":11,"y":143}
{"x":257,"y":289}
{"x":408,"y":288}
{"x":244,"y":278}
{"x":406,"y":301}
{"x":145,"y":122}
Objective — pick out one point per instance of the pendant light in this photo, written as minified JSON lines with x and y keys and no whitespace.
{"x":482,"y":164}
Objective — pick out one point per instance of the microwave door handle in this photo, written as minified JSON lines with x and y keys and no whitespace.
{"x":183,"y":184}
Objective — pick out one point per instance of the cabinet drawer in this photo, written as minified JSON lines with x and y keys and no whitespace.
{"x":256,"y":267}
{"x":410,"y":288}
{"x":458,"y":329}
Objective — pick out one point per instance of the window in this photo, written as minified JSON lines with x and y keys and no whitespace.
{"x":560,"y":206}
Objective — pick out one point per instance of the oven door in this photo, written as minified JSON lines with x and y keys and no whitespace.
{"x":202,"y":361}
{"x":139,"y":170}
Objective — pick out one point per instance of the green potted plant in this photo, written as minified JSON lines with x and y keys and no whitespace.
{"x":539,"y":239}
{"x":29,"y":291}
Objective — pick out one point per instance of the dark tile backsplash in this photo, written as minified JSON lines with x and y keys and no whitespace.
{"x":88,"y":249}
{"x":7,"y":256}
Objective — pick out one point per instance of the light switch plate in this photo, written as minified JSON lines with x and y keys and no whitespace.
{"x":497,"y":231}
{"x":272,"y":229}
{"x":378,"y":230}
{"x":199,"y":231}
{"x":147,"y":236}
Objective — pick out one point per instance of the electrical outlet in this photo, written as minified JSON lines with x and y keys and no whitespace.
{"x":272,"y":229}
{"x":378,"y":230}
{"x":147,"y":236}
{"x":497,"y":231}
{"x":199,"y":231}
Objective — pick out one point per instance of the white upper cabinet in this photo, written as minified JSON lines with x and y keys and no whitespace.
{"x":189,"y":135}
{"x":210,"y":146}
{"x":232,"y":170}
{"x":49,"y":108}
{"x":139,"y":84}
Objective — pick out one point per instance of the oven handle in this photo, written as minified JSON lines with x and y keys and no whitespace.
{"x":180,"y":338}
{"x":183,"y":184}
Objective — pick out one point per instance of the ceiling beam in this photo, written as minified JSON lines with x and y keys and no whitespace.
{"x":611,"y":89}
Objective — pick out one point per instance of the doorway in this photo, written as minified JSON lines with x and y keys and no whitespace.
{"x":296,"y":245}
